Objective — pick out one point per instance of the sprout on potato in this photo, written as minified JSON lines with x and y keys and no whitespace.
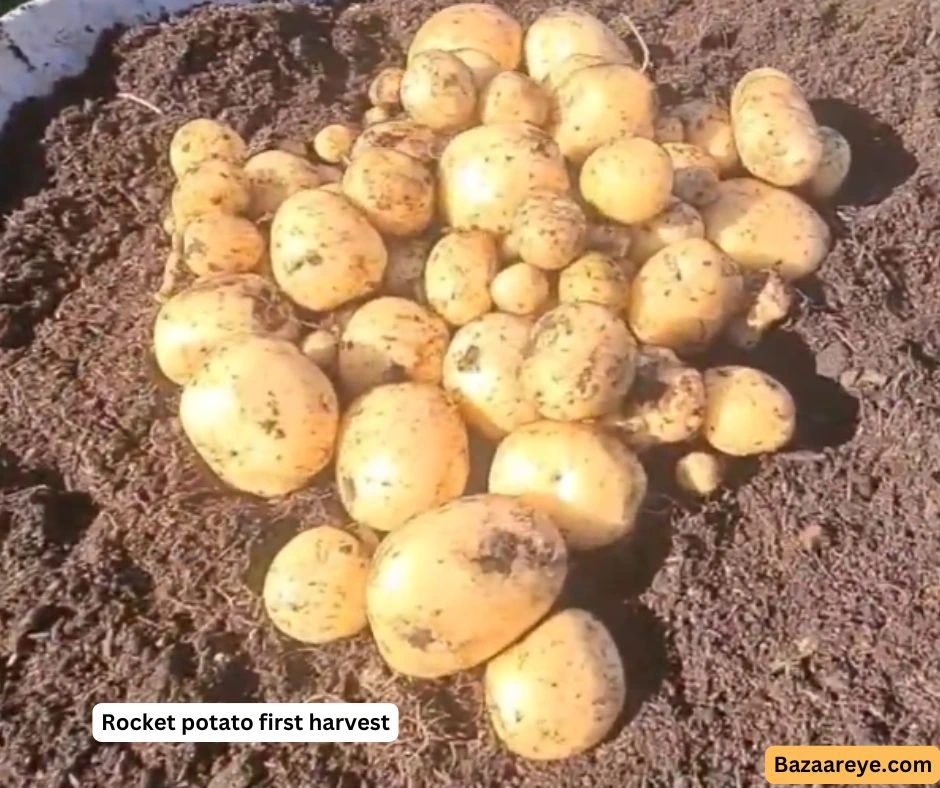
{"x":333,"y":143}
{"x":629,"y":180}
{"x":202,"y":140}
{"x":511,"y":97}
{"x":676,"y":222}
{"x":594,"y":278}
{"x":548,"y":231}
{"x":218,"y":243}
{"x":215,"y":186}
{"x":385,"y":88}
{"x":699,"y":473}
{"x":438,"y":90}
{"x":520,"y":289}
{"x":478,"y":26}
{"x":458,"y":273}
{"x":695,"y":173}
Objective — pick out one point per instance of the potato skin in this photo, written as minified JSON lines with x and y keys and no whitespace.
{"x":677,"y":222}
{"x":403,"y":135}
{"x":202,"y":140}
{"x":219,"y":243}
{"x":214,"y":186}
{"x":458,"y":273}
{"x":708,"y":126}
{"x":548,"y":230}
{"x":438,"y":90}
{"x":629,"y":180}
{"x":481,"y":65}
{"x":480,"y":26}
{"x":560,"y":33}
{"x":511,"y":97}
{"x":273,"y":176}
{"x":695,"y":173}
{"x":559,"y":690}
{"x":596,"y":278}
{"x":458,"y":584}
{"x":520,"y":289}
{"x":833,"y":167}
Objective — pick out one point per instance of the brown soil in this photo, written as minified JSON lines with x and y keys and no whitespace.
{"x":800,"y":607}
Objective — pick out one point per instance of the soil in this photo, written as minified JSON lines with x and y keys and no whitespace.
{"x":799,"y":607}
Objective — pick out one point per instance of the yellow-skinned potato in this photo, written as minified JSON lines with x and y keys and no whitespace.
{"x":481,"y":372}
{"x":324,"y":252}
{"x":191,"y":323}
{"x":487,"y":172}
{"x":481,"y":65}
{"x":833,"y":167}
{"x":458,"y":273}
{"x":764,"y":228}
{"x":512,"y":97}
{"x":559,"y":691}
{"x":404,"y":135}
{"x":402,"y":450}
{"x":565,"y":68}
{"x":404,"y":274}
{"x":218,"y":243}
{"x":385,"y":88}
{"x":438,"y":90}
{"x":708,"y":126}
{"x":579,"y":363}
{"x":321,"y":346}
{"x":388,"y":340}
{"x":668,"y":128}
{"x":629,"y":180}
{"x":520,"y":289}
{"x":393,"y":190}
{"x":375,"y":115}
{"x":695,"y":173}
{"x":595,"y":278}
{"x":677,"y":222}
{"x":215,"y":186}
{"x":457,"y":585}
{"x":480,"y":26}
{"x":261,"y":415}
{"x":334,"y":143}
{"x":273,"y":176}
{"x":699,"y":473}
{"x":747,"y":411}
{"x":202,"y":140}
{"x":548,"y":231}
{"x":315,"y":588}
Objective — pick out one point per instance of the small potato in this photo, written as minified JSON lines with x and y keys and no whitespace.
{"x":275,"y":175}
{"x":375,"y":115}
{"x":385,"y":89}
{"x":629,"y":180}
{"x":584,"y":479}
{"x":202,"y":140}
{"x":315,"y":588}
{"x":580,"y":362}
{"x":481,"y":372}
{"x":747,"y":411}
{"x":675,"y":223}
{"x":215,"y":186}
{"x":404,"y":274}
{"x":389,"y":340}
{"x":609,"y":238}
{"x":558,"y":691}
{"x":668,"y":128}
{"x":699,"y":473}
{"x":510,"y":97}
{"x":481,"y":65}
{"x":438,"y":91}
{"x":393,"y":190}
{"x":402,"y":451}
{"x":770,"y":297}
{"x":548,"y":230}
{"x":520,"y":289}
{"x":833,"y":167}
{"x":321,"y":346}
{"x":764,"y":228}
{"x":334,"y":143}
{"x":684,"y":296}
{"x":594,"y":278}
{"x":221,"y":244}
{"x":479,"y":26}
{"x":708,"y":126}
{"x":404,"y":136}
{"x":695,"y":173}
{"x":458,"y":273}
{"x":565,"y":68}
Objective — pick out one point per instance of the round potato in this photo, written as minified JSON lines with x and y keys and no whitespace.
{"x":478,"y":26}
{"x":511,"y":97}
{"x":438,"y":90}
{"x":315,"y":588}
{"x":385,"y":89}
{"x":402,"y":450}
{"x":321,"y":346}
{"x":404,"y":274}
{"x":520,"y":289}
{"x":587,"y":481}
{"x":261,"y":415}
{"x":677,"y":222}
{"x":334,"y":143}
{"x":481,"y":372}
{"x":708,"y":126}
{"x":559,"y":33}
{"x":273,"y":176}
{"x":218,"y":243}
{"x":558,"y":691}
{"x":629,"y":180}
{"x":699,"y":473}
{"x":458,"y":273}
{"x":747,"y":411}
{"x":833,"y":167}
{"x":548,"y":231}
{"x":481,"y":65}
{"x":404,"y":136}
{"x":324,"y":252}
{"x":596,"y":279}
{"x":202,"y":140}
{"x":668,"y":128}
{"x":695,"y":173}
{"x":458,"y":584}
{"x":215,"y":186}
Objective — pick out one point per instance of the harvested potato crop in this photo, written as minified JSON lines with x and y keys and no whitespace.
{"x":389,"y":340}
{"x":511,"y":97}
{"x":559,"y":691}
{"x":438,"y":90}
{"x":684,"y":296}
{"x":677,"y":222}
{"x":458,"y":584}
{"x":215,"y":186}
{"x":629,"y":180}
{"x":404,"y":273}
{"x":668,"y":128}
{"x":334,"y":143}
{"x":764,"y":228}
{"x":747,"y":411}
{"x":520,"y":289}
{"x":708,"y":126}
{"x":324,"y":252}
{"x":548,"y":230}
{"x":404,"y":136}
{"x":487,"y":172}
{"x":393,"y":190}
{"x":833,"y":167}
{"x":699,"y":473}
{"x":695,"y":173}
{"x":579,"y":363}
{"x":595,"y":278}
{"x":769,"y":298}
{"x":559,"y":33}
{"x":481,"y":65}
{"x":385,"y":88}
{"x":458,"y":273}
{"x":273,"y":176}
{"x":321,"y":346}
{"x":402,"y":450}
{"x":218,"y":243}
{"x":192,"y":322}
{"x":478,"y":26}
{"x":261,"y":415}
{"x":315,"y":588}
{"x":202,"y":140}
{"x":584,"y":479}
{"x":375,"y":115}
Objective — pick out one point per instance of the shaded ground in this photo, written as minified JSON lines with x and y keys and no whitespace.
{"x":800,"y":608}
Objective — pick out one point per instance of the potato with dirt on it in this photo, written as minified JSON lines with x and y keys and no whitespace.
{"x":833,"y":167}
{"x":707,"y":125}
{"x":481,"y":65}
{"x":218,"y":243}
{"x":333,"y":143}
{"x":458,"y":273}
{"x":215,"y":186}
{"x":321,"y":346}
{"x":596,"y":279}
{"x":438,"y":90}
{"x":512,"y":97}
{"x":520,"y":289}
{"x":548,"y":231}
{"x":768,"y":300}
{"x":482,"y":27}
{"x":677,"y":222}
{"x":385,"y":88}
{"x":275,"y":175}
{"x":202,"y":140}
{"x":699,"y":473}
{"x":404,"y":273}
{"x":404,"y":135}
{"x":695,"y":173}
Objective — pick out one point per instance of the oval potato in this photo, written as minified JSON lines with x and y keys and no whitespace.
{"x":458,"y":273}
{"x":548,"y":230}
{"x":273,"y":176}
{"x":202,"y":140}
{"x":559,"y":33}
{"x":219,"y":243}
{"x":595,"y":278}
{"x":214,"y":186}
{"x":479,"y":26}
{"x":511,"y":97}
{"x":629,"y":180}
{"x":403,"y":135}
{"x":833,"y":167}
{"x":333,"y":143}
{"x":385,"y":88}
{"x":438,"y":90}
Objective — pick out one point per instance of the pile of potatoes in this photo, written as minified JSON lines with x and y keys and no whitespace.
{"x":519,"y":241}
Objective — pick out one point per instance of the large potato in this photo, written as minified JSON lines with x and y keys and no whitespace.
{"x":833,"y":167}
{"x":590,"y":484}
{"x":548,"y":230}
{"x":218,"y":243}
{"x":695,"y":173}
{"x":458,"y":584}
{"x":438,"y":90}
{"x":559,"y":33}
{"x":261,"y":415}
{"x":629,"y":180}
{"x":273,"y":176}
{"x":402,"y":450}
{"x":708,"y":126}
{"x":478,"y":26}
{"x":215,"y":186}
{"x":458,"y":273}
{"x":511,"y":97}
{"x":202,"y":140}
{"x":487,"y":172}
{"x":520,"y":289}
{"x":764,"y":228}
{"x":558,"y":691}
{"x":403,"y":135}
{"x":677,"y":222}
{"x":595,"y":278}
{"x":324,"y":252}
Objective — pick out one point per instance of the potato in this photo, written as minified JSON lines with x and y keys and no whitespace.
{"x":764,"y":228}
{"x":559,"y":691}
{"x":584,"y":479}
{"x":438,"y":90}
{"x":404,"y":136}
{"x":275,"y":175}
{"x":324,"y":252}
{"x":192,"y":322}
{"x":458,"y":584}
{"x":480,"y":26}
{"x":402,"y":450}
{"x":629,"y":180}
{"x":375,"y":115}
{"x":393,"y":190}
{"x":668,"y":128}
{"x":596,"y":279}
{"x":684,"y":296}
{"x":385,"y":88}
{"x":481,"y":65}
{"x":548,"y":230}
{"x":458,"y":273}
{"x":261,"y":415}
{"x":487,"y":172}
{"x":215,"y":186}
{"x":321,"y":346}
{"x":315,"y":588}
{"x":695,"y":173}
{"x":512,"y":97}
{"x":774,"y":128}
{"x":520,"y":289}
{"x":699,"y":473}
{"x":565,"y":68}
{"x":559,"y":33}
{"x":389,"y":340}
{"x":202,"y":140}
{"x":334,"y":143}
{"x":218,"y":243}
{"x":747,"y":411}
{"x":404,"y":274}
{"x":769,"y":298}
{"x":833,"y":167}
{"x":598,"y":105}
{"x":708,"y":126}
{"x":676,"y":222}
{"x":579,"y":363}
{"x":611,"y":239}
